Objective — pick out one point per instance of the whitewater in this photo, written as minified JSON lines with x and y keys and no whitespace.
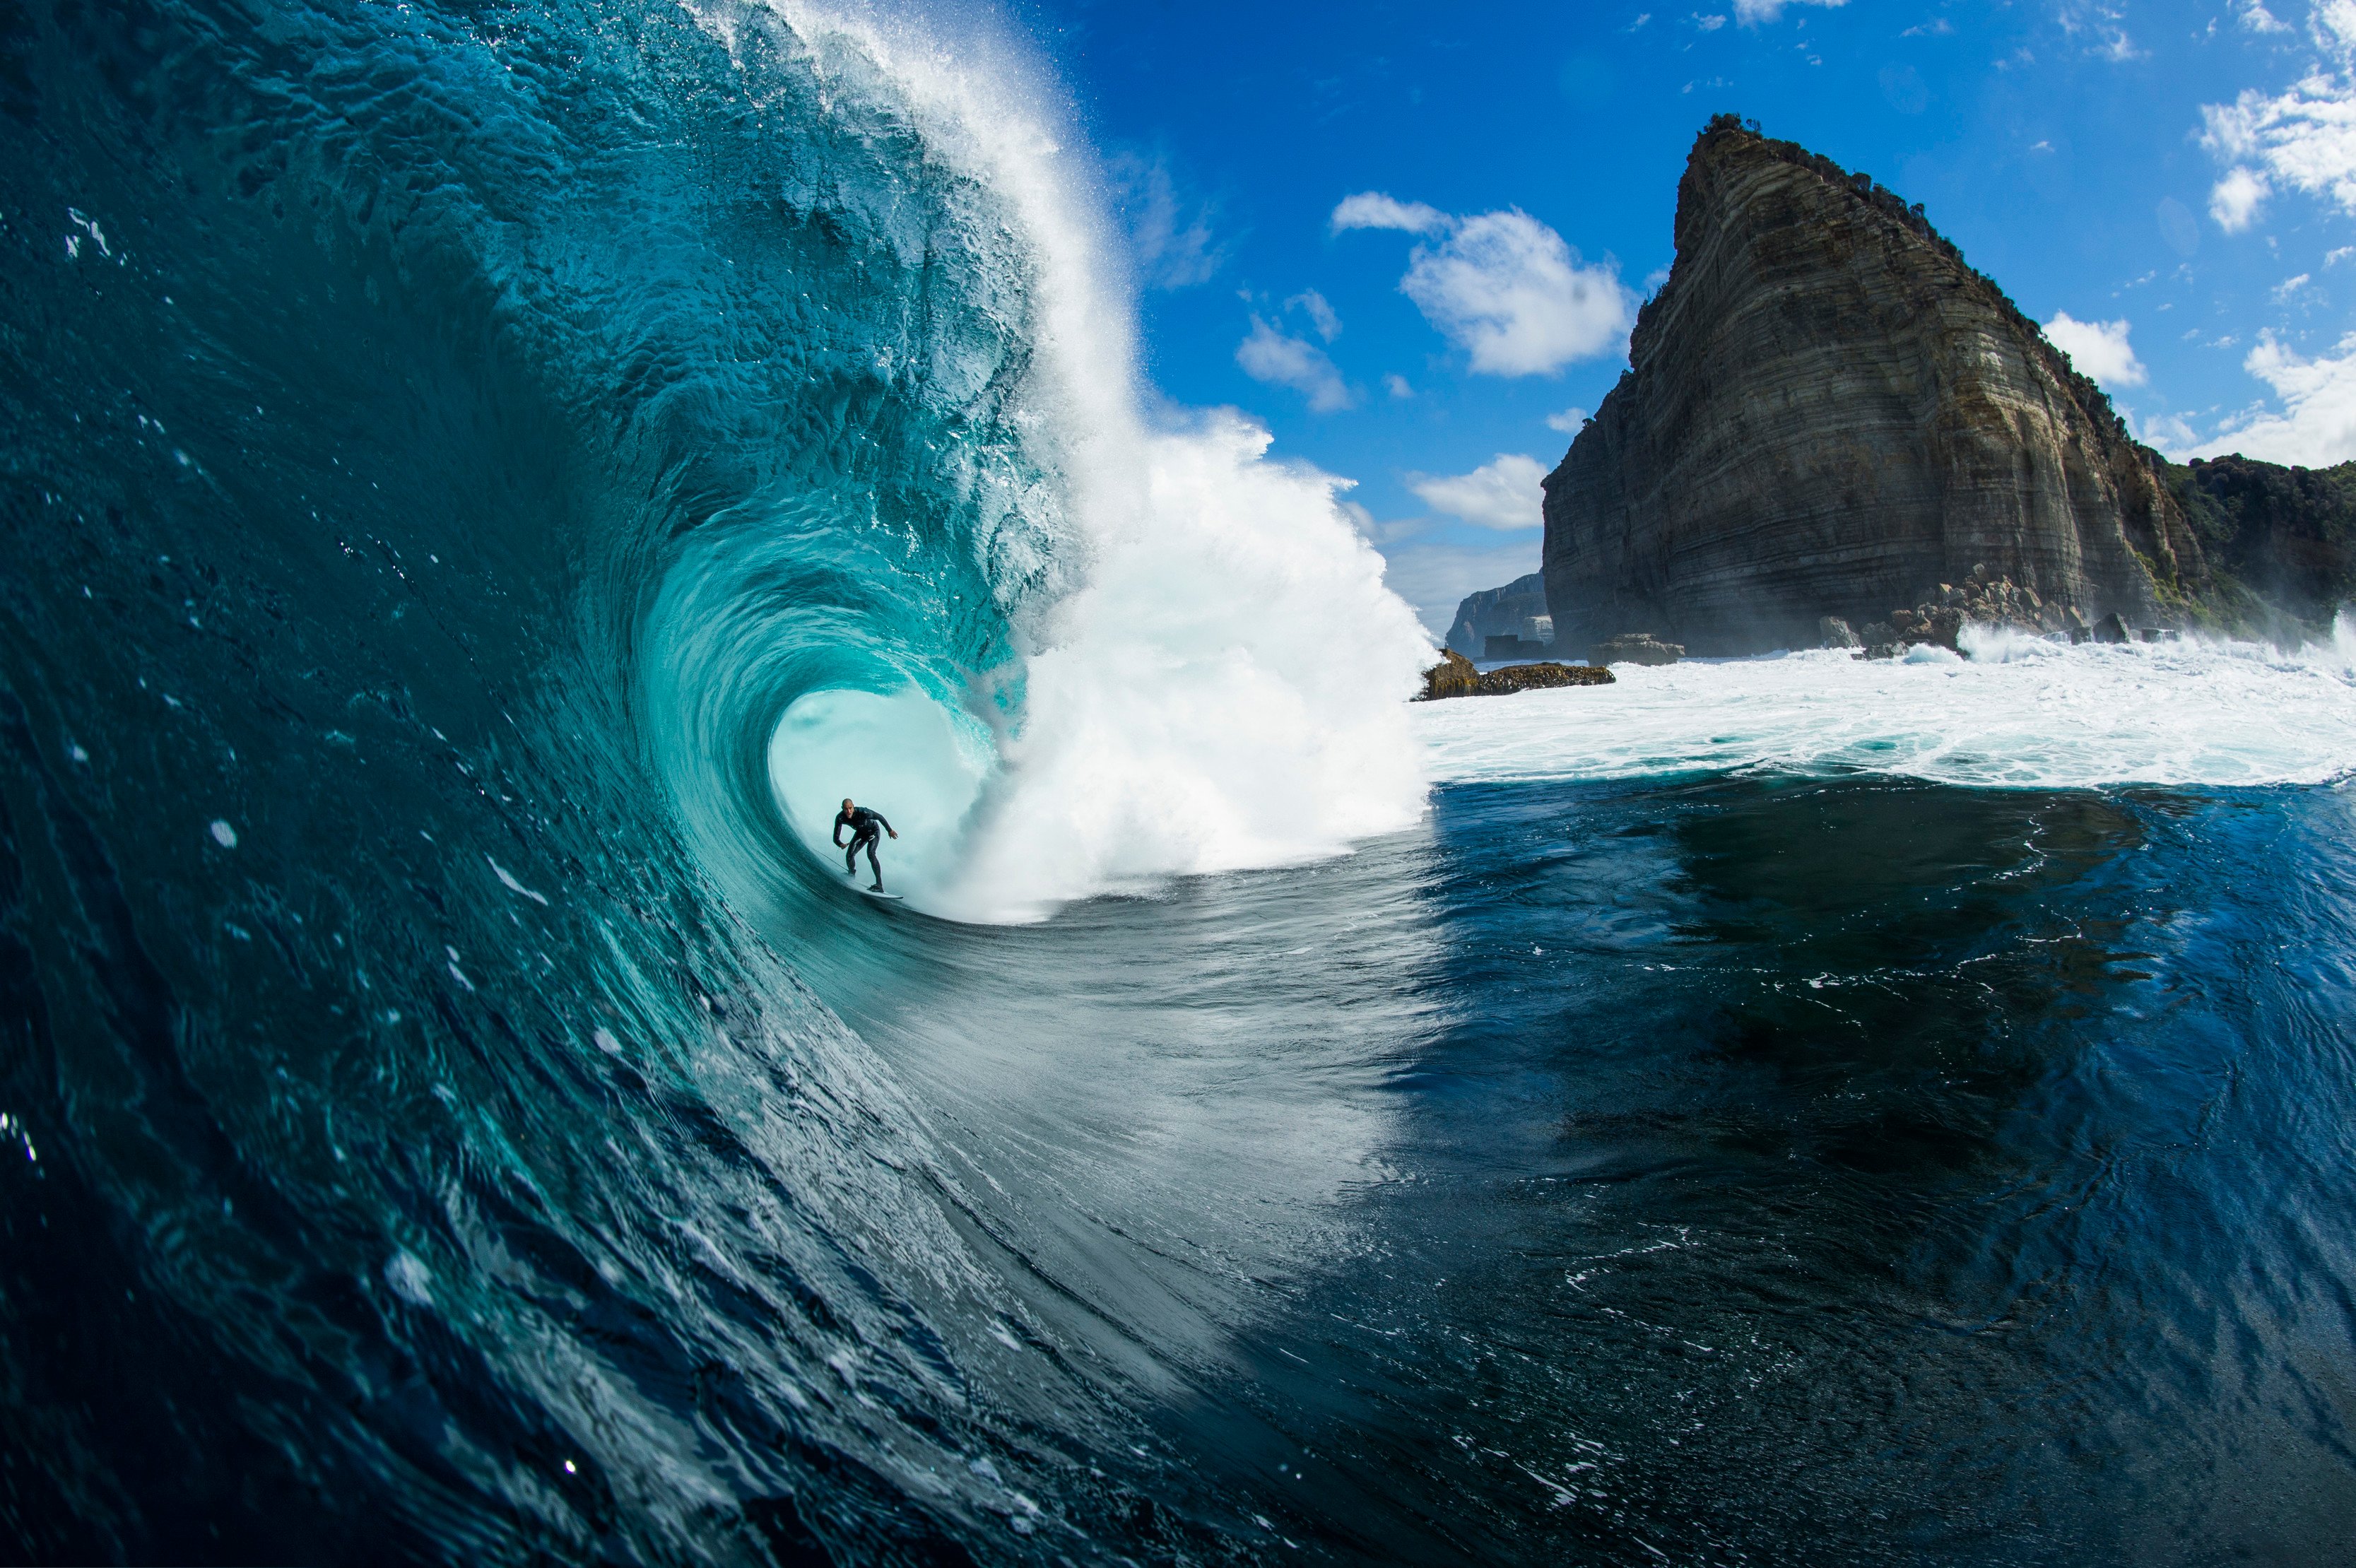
{"x":483,"y":484}
{"x":2019,"y":712}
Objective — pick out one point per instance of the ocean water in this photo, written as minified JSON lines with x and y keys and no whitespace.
{"x":483,"y":482}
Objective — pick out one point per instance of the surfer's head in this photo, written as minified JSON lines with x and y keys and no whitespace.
{"x":846,"y":803}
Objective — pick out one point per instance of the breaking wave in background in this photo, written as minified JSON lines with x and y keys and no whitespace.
{"x":482,"y":483}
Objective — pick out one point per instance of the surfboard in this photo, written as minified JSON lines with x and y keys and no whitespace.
{"x":872,"y":893}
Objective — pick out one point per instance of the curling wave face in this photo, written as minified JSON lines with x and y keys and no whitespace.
{"x":1073,"y":652}
{"x":485,"y":482}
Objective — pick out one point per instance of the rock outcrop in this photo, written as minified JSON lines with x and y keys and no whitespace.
{"x":1828,"y":413}
{"x":1981,"y":600}
{"x":1497,"y":613}
{"x":1454,"y":676}
{"x":1635,"y":647}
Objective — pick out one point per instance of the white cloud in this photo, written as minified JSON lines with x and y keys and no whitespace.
{"x":1506,"y":288}
{"x":1170,"y":241}
{"x":1320,"y":315}
{"x":2099,"y":20}
{"x":1567,"y":421}
{"x":2289,"y":286}
{"x":1269,"y":356}
{"x":2170,"y":433}
{"x":2258,"y":19}
{"x":1396,"y":385}
{"x":1501,"y":494}
{"x":2098,"y":348}
{"x":2235,"y":201}
{"x":1374,"y":209}
{"x":1502,"y":285}
{"x":2305,"y":137}
{"x":1751,"y":13}
{"x":1708,"y":24}
{"x":2316,"y":426}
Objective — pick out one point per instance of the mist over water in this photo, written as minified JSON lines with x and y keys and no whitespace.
{"x":471,"y":525}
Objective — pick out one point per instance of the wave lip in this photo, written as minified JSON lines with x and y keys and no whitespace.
{"x":1169,"y":655}
{"x":2020,"y":714}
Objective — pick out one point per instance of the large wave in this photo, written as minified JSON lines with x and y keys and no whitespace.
{"x":1072,"y":651}
{"x":483,"y":482}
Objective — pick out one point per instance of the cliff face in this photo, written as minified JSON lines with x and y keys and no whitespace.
{"x":1496,"y":613}
{"x":1828,"y":413}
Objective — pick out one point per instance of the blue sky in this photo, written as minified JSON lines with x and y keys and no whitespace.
{"x":2171,"y":187}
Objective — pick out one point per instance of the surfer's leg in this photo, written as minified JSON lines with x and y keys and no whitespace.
{"x":872,"y":864}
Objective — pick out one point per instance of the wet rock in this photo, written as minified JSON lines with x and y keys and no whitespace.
{"x":1832,"y":632}
{"x":1635,"y":647}
{"x":2112,"y":629}
{"x":1455,"y":677}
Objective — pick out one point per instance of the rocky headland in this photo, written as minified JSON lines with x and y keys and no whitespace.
{"x":1829,"y":414}
{"x":2281,"y":542}
{"x":1497,"y":613}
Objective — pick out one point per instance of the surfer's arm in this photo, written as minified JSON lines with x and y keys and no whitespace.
{"x":838,"y":830}
{"x":887,"y":825}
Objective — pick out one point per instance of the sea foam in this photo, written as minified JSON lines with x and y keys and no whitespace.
{"x":2021,"y":712}
{"x":1223,"y":685}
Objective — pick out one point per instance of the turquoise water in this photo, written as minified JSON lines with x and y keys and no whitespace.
{"x":483,"y":483}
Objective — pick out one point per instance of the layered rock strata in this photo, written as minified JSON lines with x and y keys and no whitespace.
{"x":1827,"y":413}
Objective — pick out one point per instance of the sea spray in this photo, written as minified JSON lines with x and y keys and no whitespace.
{"x":2021,"y":712}
{"x":1214,"y":677}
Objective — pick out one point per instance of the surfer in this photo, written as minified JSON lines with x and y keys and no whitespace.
{"x":862,"y":824}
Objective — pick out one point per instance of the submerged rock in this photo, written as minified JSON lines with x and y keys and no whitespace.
{"x":1454,"y":676}
{"x":1635,"y":647}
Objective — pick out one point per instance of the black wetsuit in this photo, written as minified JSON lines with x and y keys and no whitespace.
{"x":867,"y":828}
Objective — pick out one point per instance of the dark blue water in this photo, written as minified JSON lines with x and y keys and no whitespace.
{"x":448,"y":1116}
